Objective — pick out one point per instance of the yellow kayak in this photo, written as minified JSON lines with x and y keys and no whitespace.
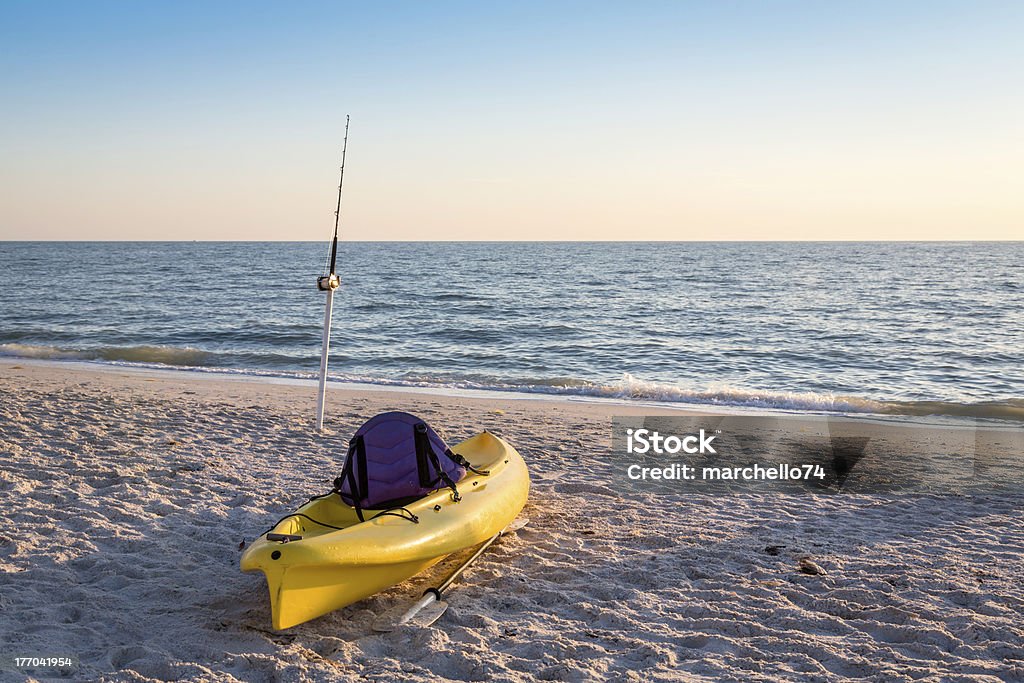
{"x":330,"y":568}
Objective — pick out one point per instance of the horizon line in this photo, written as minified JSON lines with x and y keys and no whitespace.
{"x":457,"y":241}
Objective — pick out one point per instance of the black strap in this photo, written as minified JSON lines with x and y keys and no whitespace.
{"x":444,"y":476}
{"x":402,"y":512}
{"x":339,"y":481}
{"x":356,"y":495}
{"x":423,"y":449}
{"x":354,"y":447}
{"x":299,"y":514}
{"x":425,"y":452}
{"x":459,"y":460}
{"x":364,"y":481}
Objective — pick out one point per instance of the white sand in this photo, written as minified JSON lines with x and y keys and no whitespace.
{"x":124,"y":497}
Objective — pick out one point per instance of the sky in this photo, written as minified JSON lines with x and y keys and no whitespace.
{"x":716,"y":120}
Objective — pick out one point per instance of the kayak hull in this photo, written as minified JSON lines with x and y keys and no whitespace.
{"x":331,"y":568}
{"x":308,"y":592}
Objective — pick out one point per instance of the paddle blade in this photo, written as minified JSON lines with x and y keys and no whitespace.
{"x":517,"y":524}
{"x":429,"y":614}
{"x":388,"y":621}
{"x":400,"y":616}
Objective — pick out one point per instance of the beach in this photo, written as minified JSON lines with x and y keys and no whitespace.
{"x":680,"y":342}
{"x":127,"y":496}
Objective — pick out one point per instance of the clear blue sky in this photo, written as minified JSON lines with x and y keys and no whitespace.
{"x":565,"y":120}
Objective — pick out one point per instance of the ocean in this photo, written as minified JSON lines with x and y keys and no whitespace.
{"x":891,"y":328}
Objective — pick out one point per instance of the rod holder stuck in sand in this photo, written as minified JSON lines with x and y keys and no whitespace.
{"x":322,"y":387}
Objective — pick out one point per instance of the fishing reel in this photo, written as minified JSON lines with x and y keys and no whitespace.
{"x":328,"y":283}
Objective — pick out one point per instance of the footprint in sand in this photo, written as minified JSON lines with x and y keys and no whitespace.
{"x":240,"y":500}
{"x":580,"y":487}
{"x":143,"y":660}
{"x":72,"y":614}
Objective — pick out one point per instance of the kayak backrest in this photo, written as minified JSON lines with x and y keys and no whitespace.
{"x":393,"y":459}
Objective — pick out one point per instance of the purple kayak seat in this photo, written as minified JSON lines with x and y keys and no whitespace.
{"x":394,"y":459}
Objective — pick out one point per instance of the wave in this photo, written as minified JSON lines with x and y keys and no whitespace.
{"x":632,"y":388}
{"x":163,"y":355}
{"x":629,"y":388}
{"x":1010,"y":409}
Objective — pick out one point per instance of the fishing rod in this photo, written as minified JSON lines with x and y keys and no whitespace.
{"x":328,"y":283}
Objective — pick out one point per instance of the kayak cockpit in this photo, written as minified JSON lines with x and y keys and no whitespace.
{"x":329,"y":513}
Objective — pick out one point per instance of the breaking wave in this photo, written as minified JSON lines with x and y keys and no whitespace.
{"x":628,"y":388}
{"x":163,"y":355}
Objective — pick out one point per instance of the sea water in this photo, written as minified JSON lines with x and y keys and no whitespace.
{"x":915,"y":328}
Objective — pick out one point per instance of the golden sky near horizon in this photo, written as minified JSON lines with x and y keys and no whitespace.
{"x":718,"y":192}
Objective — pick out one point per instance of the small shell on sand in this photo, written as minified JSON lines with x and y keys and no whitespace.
{"x":809,"y":566}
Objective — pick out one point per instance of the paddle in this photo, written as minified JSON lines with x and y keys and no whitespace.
{"x":430,"y":607}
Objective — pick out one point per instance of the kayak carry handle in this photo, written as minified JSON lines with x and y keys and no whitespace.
{"x":283,"y":538}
